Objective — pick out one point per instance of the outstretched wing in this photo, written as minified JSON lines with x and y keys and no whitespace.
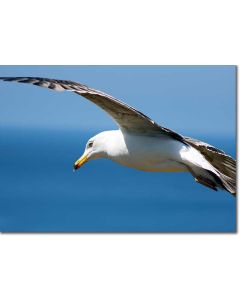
{"x":127,"y":117}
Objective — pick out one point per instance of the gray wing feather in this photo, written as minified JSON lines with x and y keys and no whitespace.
{"x":223,"y":163}
{"x":127,"y":117}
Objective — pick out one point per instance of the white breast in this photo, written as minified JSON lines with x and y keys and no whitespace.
{"x":154,"y":154}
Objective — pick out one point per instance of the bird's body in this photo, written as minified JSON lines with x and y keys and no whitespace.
{"x":146,"y":153}
{"x":142,"y":144}
{"x":154,"y":153}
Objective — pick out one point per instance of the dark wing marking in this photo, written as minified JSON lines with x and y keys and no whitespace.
{"x":223,"y":163}
{"x":127,"y":117}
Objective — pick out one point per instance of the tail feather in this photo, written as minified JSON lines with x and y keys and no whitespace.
{"x":223,"y":164}
{"x":214,"y":180}
{"x":226,"y":168}
{"x":229,"y":183}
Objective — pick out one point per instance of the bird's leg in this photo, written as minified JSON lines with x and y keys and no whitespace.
{"x":207,"y":182}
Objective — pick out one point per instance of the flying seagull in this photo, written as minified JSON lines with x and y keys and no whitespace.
{"x":142,"y":144}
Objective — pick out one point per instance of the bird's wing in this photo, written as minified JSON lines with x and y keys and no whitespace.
{"x":217,"y":158}
{"x":127,"y":117}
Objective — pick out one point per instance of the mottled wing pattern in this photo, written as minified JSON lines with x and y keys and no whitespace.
{"x":127,"y":117}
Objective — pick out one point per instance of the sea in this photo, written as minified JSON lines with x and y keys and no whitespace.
{"x":39,"y":192}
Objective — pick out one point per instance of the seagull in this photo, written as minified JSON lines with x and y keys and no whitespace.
{"x":142,"y":144}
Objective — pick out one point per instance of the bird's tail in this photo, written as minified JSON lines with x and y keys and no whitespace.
{"x":226,"y":172}
{"x":223,"y":166}
{"x":226,"y":168}
{"x":212,"y":169}
{"x":214,"y":181}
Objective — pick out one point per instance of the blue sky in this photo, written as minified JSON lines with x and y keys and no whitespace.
{"x":197,"y":100}
{"x":103,"y":196}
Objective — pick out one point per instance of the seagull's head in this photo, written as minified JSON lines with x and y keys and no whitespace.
{"x":96,"y":147}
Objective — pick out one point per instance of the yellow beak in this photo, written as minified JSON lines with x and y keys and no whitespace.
{"x":81,"y":161}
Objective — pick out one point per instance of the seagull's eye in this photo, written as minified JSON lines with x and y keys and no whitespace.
{"x":90,"y":144}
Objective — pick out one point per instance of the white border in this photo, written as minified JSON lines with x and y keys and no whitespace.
{"x":121,"y":266}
